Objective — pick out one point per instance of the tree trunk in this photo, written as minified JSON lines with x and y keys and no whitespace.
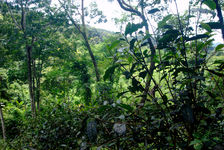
{"x":29,"y":59}
{"x":219,"y":14}
{"x":38,"y":77}
{"x":3,"y":123}
{"x":82,"y":31}
{"x":30,"y":79}
{"x":22,"y":27}
{"x":38,"y":93}
{"x":92,"y":58}
{"x":87,"y":43}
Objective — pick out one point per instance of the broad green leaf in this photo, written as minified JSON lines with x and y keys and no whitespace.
{"x":215,"y":25}
{"x":127,"y":74}
{"x":167,"y":26}
{"x":219,"y":47}
{"x":113,"y":44}
{"x":197,"y":37}
{"x":143,"y":74}
{"x":168,"y":36}
{"x":136,"y":85}
{"x":204,"y":45}
{"x":147,"y":36}
{"x":125,"y":106}
{"x":109,"y":72}
{"x":132,"y":43}
{"x":154,"y":10}
{"x":130,"y":28}
{"x":145,"y":53}
{"x":210,"y":3}
{"x":130,"y":59}
{"x":216,"y":73}
{"x":197,"y":144}
{"x":206,"y":27}
{"x":212,"y":95}
{"x":219,"y":62}
{"x":122,"y":93}
{"x":190,"y":16}
{"x":183,"y":70}
{"x":196,"y":141}
{"x":133,"y":68}
{"x":163,"y":22}
{"x":103,"y":108}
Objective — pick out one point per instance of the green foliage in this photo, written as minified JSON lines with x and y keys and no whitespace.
{"x":159,"y":91}
{"x":154,"y":10}
{"x":215,"y":25}
{"x":210,"y":3}
{"x":131,"y":28}
{"x":162,"y":23}
{"x":109,"y":72}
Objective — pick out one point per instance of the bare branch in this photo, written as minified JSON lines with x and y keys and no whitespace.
{"x":13,"y":18}
{"x":71,"y":19}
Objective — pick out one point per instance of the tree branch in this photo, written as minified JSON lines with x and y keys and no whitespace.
{"x":219,"y":14}
{"x":13,"y":18}
{"x":150,"y":71}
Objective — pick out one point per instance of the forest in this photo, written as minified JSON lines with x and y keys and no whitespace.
{"x":157,"y":84}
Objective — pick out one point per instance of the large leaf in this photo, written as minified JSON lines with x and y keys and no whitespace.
{"x":127,"y":107}
{"x":143,"y":74}
{"x":215,"y":72}
{"x":204,"y":45}
{"x":197,"y":144}
{"x":132,"y":70}
{"x":127,"y":74}
{"x":197,"y":37}
{"x":210,"y":3}
{"x":215,"y":25}
{"x":104,"y":108}
{"x":130,"y":28}
{"x":121,"y":94}
{"x":154,"y":10}
{"x":132,"y":43}
{"x":113,"y":44}
{"x":206,"y":27}
{"x":109,"y":72}
{"x":168,"y":36}
{"x":219,"y":47}
{"x":212,"y":95}
{"x":136,"y":85}
{"x":183,"y":70}
{"x":167,"y":26}
{"x":163,"y":22}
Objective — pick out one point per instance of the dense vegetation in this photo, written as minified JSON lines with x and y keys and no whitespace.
{"x":157,"y":84}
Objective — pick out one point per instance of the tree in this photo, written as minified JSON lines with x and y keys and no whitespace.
{"x":162,"y":87}
{"x":2,"y":123}
{"x":219,"y":14}
{"x":71,"y":10}
{"x":35,"y":27}
{"x":4,"y":98}
{"x":179,"y":84}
